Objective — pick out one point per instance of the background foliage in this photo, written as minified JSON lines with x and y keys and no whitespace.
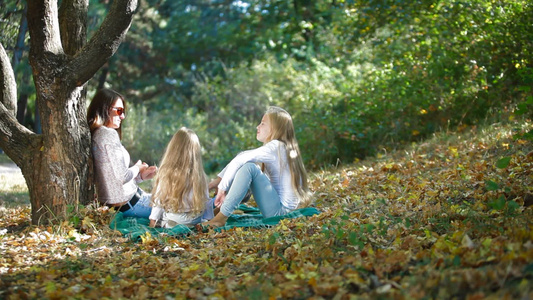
{"x":357,"y":76}
{"x":448,"y":216}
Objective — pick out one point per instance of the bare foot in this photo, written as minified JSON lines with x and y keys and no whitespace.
{"x":218,"y":221}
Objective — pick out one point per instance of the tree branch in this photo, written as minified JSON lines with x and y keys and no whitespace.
{"x":15,"y":139}
{"x":73,"y":24}
{"x":104,"y":43}
{"x":43,"y":25}
{"x":8,"y":85}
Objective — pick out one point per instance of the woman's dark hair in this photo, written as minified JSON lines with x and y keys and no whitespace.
{"x":101,"y":104}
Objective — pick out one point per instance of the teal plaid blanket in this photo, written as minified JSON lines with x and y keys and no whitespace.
{"x":133,"y":228}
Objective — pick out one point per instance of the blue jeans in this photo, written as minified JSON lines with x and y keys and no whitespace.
{"x":249,"y":176}
{"x":141,"y":209}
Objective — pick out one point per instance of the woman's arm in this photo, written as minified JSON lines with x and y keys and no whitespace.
{"x":264,"y":154}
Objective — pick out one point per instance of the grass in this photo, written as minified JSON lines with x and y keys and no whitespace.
{"x":416,"y":223}
{"x":13,"y":188}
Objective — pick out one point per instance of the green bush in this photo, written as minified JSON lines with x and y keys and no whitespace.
{"x":386,"y":74}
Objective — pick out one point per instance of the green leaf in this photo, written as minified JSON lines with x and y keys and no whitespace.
{"x":354,"y":240}
{"x":522,"y":109}
{"x":491,"y":185}
{"x":503,"y":162}
{"x":512,"y":206}
{"x":498,"y":204}
{"x":273,"y":238}
{"x":340,"y":233}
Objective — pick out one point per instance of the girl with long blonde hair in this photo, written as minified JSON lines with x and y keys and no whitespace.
{"x":180,"y":194}
{"x":274,"y":172}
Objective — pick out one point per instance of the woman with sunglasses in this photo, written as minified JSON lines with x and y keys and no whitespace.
{"x":116,"y":182}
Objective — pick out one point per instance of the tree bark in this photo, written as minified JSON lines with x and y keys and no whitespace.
{"x":56,"y":164}
{"x":8,"y":86}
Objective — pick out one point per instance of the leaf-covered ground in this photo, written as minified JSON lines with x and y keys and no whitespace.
{"x":448,"y":218}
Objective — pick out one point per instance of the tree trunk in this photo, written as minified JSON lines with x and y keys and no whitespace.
{"x":56,"y":164}
{"x":37,"y":122}
{"x":62,"y":159}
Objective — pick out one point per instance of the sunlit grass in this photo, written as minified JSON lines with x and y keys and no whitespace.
{"x":13,"y":189}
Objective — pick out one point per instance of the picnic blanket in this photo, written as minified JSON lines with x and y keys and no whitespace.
{"x":134,"y":228}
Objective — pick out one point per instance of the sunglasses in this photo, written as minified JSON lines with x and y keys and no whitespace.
{"x":119,"y":110}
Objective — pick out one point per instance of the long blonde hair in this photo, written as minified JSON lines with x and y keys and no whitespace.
{"x":181,"y":172}
{"x":282,"y":129}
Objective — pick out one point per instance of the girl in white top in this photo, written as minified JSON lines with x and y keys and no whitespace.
{"x":279,"y":183}
{"x":180,"y":194}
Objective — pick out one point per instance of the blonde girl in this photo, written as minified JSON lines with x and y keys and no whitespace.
{"x":180,"y":192}
{"x":278,"y":183}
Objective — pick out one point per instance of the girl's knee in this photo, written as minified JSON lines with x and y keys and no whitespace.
{"x":250,"y":167}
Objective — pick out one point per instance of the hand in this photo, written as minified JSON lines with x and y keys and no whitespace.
{"x":152,"y":223}
{"x":214,"y":183}
{"x":141,"y":165}
{"x":149,"y":173}
{"x":221,"y":196}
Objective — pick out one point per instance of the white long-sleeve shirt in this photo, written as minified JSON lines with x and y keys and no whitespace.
{"x":274,"y":155}
{"x":184,"y":215}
